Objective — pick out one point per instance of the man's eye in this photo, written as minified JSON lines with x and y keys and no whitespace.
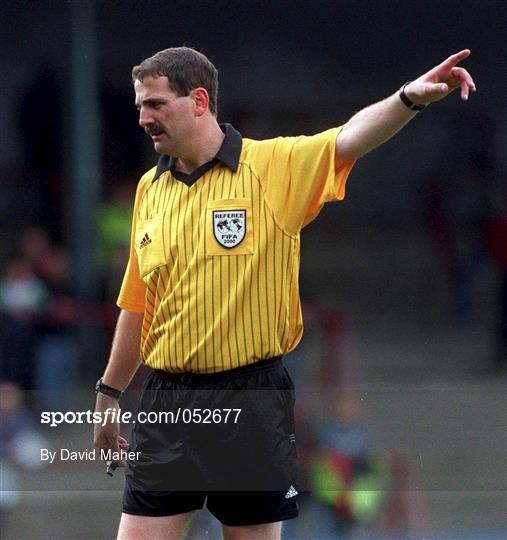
{"x":150,"y":105}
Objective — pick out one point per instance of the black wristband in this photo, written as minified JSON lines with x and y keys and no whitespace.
{"x":408,"y":102}
{"x":107,"y":390}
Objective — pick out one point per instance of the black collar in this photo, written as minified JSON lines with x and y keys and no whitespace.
{"x":228,"y":154}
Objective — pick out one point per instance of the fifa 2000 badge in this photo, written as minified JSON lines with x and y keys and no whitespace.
{"x":229,"y":227}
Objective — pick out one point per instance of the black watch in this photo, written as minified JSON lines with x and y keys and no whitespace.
{"x":408,"y":102}
{"x":107,"y":390}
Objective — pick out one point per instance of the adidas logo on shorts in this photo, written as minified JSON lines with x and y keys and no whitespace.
{"x":291,"y":493}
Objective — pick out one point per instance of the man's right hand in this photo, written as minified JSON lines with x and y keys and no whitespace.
{"x":123,"y":363}
{"x":107,"y":436}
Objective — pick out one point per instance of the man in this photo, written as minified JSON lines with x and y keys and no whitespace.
{"x":211,"y":296}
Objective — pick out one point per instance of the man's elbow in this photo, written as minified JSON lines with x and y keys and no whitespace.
{"x":348,"y":147}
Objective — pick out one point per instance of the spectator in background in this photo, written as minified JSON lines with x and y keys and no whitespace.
{"x":22,"y":299}
{"x":347,"y":475}
{"x":56,"y":354}
{"x":114,"y":225}
{"x":22,"y":293}
{"x":35,"y":244}
{"x":20,"y":443}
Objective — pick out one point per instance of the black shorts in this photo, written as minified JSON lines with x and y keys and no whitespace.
{"x":226,"y":437}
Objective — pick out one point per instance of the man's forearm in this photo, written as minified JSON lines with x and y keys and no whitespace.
{"x":122,"y":365}
{"x":373,"y":126}
{"x":124,"y":357}
{"x":377,"y":123}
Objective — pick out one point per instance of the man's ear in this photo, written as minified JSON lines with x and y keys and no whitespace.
{"x":200,"y":98}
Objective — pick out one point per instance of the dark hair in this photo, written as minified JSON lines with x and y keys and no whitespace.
{"x":185,"y":69}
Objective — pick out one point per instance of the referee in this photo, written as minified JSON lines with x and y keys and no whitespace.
{"x":210,"y":300}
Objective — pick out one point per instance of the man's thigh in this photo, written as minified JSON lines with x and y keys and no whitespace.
{"x":134,"y":527}
{"x":266,"y":531}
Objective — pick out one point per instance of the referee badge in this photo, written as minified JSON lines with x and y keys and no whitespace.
{"x":229,"y":227}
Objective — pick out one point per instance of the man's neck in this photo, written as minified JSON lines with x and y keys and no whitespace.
{"x":205,"y":146}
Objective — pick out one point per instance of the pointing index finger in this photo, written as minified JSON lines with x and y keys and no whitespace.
{"x":456,"y":58}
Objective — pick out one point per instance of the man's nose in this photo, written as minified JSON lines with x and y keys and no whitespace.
{"x":145,"y":119}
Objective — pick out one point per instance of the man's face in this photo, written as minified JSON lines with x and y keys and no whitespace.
{"x":166,"y":117}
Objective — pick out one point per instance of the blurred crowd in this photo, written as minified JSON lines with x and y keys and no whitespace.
{"x":39,"y":316}
{"x":40,"y":310}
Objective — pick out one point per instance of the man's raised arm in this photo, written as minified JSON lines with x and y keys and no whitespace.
{"x":377,"y":123}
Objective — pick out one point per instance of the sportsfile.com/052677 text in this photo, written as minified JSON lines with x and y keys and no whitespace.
{"x":180,"y":415}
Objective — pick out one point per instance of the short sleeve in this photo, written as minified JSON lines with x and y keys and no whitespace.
{"x":133,"y":289}
{"x":300,"y":176}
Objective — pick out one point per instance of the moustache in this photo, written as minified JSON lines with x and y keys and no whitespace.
{"x":154,"y":130}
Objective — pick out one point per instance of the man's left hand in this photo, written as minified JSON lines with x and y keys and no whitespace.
{"x":440,"y":81}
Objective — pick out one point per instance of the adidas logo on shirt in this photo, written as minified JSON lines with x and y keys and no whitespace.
{"x":145,"y":241}
{"x":291,"y":493}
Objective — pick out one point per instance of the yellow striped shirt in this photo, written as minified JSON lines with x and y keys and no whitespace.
{"x":214,"y":265}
